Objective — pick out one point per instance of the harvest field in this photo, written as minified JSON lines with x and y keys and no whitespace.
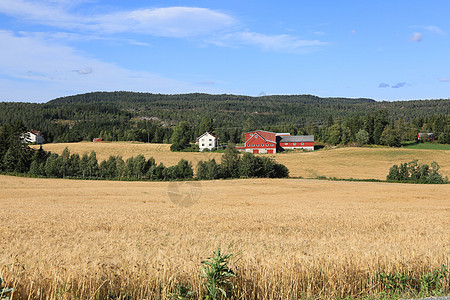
{"x":351,"y":162}
{"x":292,"y":237}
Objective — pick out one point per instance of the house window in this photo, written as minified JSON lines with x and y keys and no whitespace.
{"x":253,"y":145}
{"x":210,"y":144}
{"x":203,"y":145}
{"x":210,"y":140}
{"x":295,"y":144}
{"x":285,"y":144}
{"x":303,"y":144}
{"x":257,"y":145}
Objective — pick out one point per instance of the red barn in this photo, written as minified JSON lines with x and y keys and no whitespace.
{"x":261,"y":141}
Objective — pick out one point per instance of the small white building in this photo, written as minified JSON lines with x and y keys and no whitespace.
{"x":32,"y":137}
{"x":207,"y":141}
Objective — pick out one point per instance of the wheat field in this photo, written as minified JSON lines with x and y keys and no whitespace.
{"x":291,"y":238}
{"x":351,"y":162}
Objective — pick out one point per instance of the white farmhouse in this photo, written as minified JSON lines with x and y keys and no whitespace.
{"x":32,"y":137}
{"x":207,"y":141}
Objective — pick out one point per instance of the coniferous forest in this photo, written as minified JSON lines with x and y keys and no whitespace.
{"x":129,"y":116}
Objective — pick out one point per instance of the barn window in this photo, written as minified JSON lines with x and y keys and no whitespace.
{"x":257,"y":145}
{"x":253,"y":145}
{"x":295,"y":144}
{"x":285,"y":144}
{"x":303,"y":144}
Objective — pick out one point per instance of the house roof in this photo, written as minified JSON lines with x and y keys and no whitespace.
{"x":264,"y":135}
{"x":206,"y":134}
{"x":34,"y":132}
{"x":296,"y":138}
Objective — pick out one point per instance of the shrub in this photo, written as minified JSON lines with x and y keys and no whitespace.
{"x":207,"y":170}
{"x":416,"y":173}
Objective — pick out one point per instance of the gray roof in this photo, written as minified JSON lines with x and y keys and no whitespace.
{"x":296,"y":138}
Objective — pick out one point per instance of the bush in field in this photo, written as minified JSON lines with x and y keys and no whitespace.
{"x":230,"y":162}
{"x":208,"y":170}
{"x":416,"y":173}
{"x":182,"y":170}
{"x":258,"y":166}
{"x":235,"y":166}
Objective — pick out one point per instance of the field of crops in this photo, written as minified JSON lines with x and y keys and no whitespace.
{"x":292,"y":238}
{"x":361,"y":163}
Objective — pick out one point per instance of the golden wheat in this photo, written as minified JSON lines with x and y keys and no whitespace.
{"x":294,"y":238}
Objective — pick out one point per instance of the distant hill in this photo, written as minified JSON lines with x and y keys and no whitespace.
{"x":86,"y":115}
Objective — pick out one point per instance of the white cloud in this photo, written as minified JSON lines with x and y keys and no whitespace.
{"x":444,"y":80}
{"x":432,"y":29}
{"x":283,"y":43}
{"x":417,"y":37}
{"x":52,"y":70}
{"x":171,"y":21}
{"x":178,"y":22}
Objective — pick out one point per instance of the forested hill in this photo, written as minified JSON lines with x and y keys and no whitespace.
{"x":129,"y":115}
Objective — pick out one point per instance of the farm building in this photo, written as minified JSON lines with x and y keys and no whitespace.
{"x":424,"y":135}
{"x":207,"y":141}
{"x":261,"y":141}
{"x":32,"y":137}
{"x":97,"y":140}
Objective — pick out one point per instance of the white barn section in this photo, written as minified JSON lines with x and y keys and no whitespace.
{"x":207,"y":141}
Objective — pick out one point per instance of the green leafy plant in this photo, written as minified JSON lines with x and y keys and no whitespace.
{"x":182,"y":292}
{"x":432,"y":282}
{"x":218,"y":275}
{"x":396,"y":282}
{"x":4,"y":291}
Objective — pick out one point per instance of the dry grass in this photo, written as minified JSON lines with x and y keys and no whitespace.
{"x":361,"y":163}
{"x":79,"y":239}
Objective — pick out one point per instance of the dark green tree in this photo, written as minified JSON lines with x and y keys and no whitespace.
{"x":181,"y":137}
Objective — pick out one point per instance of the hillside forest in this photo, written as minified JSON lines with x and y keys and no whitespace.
{"x":156,"y":118}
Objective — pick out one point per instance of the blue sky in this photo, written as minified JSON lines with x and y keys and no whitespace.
{"x":384,"y":50}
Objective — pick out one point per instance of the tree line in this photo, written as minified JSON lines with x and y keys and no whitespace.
{"x":17,"y":157}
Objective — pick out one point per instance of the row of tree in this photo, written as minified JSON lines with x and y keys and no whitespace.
{"x":18,"y":157}
{"x":416,"y":173}
{"x":234,"y":165}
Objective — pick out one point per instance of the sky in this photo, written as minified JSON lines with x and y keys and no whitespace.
{"x":383,"y":50}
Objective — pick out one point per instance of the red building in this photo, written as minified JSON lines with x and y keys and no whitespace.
{"x":261,"y":141}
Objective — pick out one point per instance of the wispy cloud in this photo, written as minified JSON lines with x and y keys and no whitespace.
{"x":432,"y":29}
{"x":85,"y":71}
{"x":48,"y":66}
{"x":167,"y":21}
{"x":399,"y":85}
{"x":444,"y":80}
{"x":416,"y":37}
{"x":383,"y":85}
{"x":208,"y":25}
{"x":284,"y":43}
